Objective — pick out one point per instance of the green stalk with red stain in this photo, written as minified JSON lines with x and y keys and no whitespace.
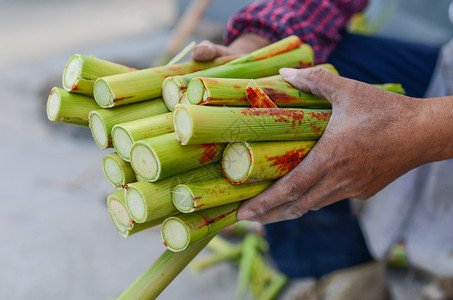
{"x":232,"y":92}
{"x":69,"y":108}
{"x":256,"y":97}
{"x":162,"y":156}
{"x":81,"y":72}
{"x":120,"y":89}
{"x":183,"y":230}
{"x":102,"y":120}
{"x":124,"y":135}
{"x":244,"y":162}
{"x":161,"y":273}
{"x":147,"y":201}
{"x":200,"y":195}
{"x":118,"y":171}
{"x":174,"y":87}
{"x":284,"y":45}
{"x":195,"y":124}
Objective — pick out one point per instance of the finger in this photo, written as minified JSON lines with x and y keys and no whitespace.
{"x":288,"y":188}
{"x":321,"y":194}
{"x":317,"y":81}
{"x":207,"y":50}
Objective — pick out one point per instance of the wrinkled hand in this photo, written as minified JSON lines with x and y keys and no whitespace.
{"x":245,"y":43}
{"x":372,"y":138}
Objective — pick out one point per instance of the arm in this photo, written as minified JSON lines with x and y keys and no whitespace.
{"x":319,"y":23}
{"x":372,"y":138}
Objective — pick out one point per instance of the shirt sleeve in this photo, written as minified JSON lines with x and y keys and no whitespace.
{"x":319,"y":23}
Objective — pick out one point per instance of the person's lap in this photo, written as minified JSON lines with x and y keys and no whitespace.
{"x":330,"y":239}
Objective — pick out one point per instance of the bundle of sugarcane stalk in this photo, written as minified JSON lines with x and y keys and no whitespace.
{"x":166,"y":166}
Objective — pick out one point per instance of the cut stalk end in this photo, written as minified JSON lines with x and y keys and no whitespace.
{"x":183,"y":124}
{"x":172,"y":90}
{"x":119,"y":212}
{"x":98,"y":130}
{"x":122,"y":142}
{"x":175,"y":234}
{"x":72,"y":72}
{"x":237,"y":162}
{"x":135,"y":203}
{"x":53,"y":104}
{"x":113,"y":171}
{"x":195,"y":91}
{"x":183,"y":199}
{"x":144,"y":161}
{"x":103,"y":94}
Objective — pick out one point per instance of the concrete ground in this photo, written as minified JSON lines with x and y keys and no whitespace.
{"x":56,"y":239}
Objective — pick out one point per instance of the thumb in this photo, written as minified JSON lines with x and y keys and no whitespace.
{"x":316,"y":81}
{"x":207,"y":50}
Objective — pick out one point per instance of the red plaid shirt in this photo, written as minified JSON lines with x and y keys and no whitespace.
{"x":319,"y":23}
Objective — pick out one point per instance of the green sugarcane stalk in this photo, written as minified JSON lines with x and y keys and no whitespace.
{"x":162,"y":156}
{"x":161,"y":273}
{"x":274,"y":288}
{"x":183,"y":230}
{"x":118,"y":171}
{"x":222,"y":250}
{"x":81,"y":72}
{"x":195,"y":124}
{"x":101,"y":121}
{"x":259,"y":161}
{"x":200,"y":195}
{"x":284,"y":45}
{"x":232,"y":92}
{"x":249,"y":252}
{"x":70,"y":108}
{"x":174,"y":87}
{"x":147,"y":201}
{"x":124,"y":135}
{"x":260,"y":275}
{"x":120,"y":89}
{"x":117,"y":207}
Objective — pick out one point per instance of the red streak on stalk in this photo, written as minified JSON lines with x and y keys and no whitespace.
{"x":210,"y":80}
{"x":282,"y":115}
{"x":288,"y":161}
{"x":321,"y":116}
{"x":209,"y":152}
{"x":121,"y":99}
{"x":237,"y":87}
{"x":128,"y":68}
{"x":174,"y":69}
{"x":208,"y":221}
{"x":277,"y":95}
{"x":52,"y":91}
{"x":289,"y":47}
{"x":221,"y":101}
{"x":74,"y":87}
{"x":258,"y":98}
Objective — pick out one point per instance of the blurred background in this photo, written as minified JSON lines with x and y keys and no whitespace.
{"x":56,"y":239}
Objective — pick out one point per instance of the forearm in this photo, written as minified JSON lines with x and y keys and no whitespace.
{"x":437,"y":123}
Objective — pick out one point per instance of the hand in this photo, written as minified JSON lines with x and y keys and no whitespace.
{"x":372,"y":138}
{"x":245,"y":43}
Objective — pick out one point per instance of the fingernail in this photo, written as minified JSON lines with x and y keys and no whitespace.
{"x":245,"y":215}
{"x":288,"y":73}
